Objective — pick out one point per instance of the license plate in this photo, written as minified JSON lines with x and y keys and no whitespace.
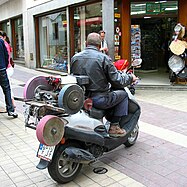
{"x":45,"y":152}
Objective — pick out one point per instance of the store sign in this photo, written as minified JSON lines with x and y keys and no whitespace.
{"x":153,"y":8}
{"x":116,"y":15}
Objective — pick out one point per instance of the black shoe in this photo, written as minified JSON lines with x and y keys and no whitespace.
{"x":13,"y":114}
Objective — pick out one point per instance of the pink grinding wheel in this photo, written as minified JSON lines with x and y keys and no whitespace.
{"x":33,"y":84}
{"x":50,"y":130}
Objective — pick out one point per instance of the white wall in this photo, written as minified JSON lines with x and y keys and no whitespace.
{"x":11,"y":9}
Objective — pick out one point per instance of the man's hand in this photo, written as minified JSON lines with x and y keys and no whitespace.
{"x":134,"y":78}
{"x":104,"y":49}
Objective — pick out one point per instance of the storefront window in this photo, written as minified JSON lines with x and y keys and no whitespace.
{"x":87,"y":19}
{"x":19,"y":38}
{"x":53,"y":41}
{"x":4,"y":26}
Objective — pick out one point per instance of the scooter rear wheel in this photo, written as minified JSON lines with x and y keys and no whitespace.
{"x":62,"y":170}
{"x":131,"y":140}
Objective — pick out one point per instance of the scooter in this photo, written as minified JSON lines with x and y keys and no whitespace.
{"x":176,"y":62}
{"x":70,"y":130}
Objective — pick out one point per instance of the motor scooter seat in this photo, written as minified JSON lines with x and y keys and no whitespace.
{"x":97,"y":113}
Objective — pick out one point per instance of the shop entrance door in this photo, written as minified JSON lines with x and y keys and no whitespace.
{"x":155,"y":21}
{"x":156,"y":34}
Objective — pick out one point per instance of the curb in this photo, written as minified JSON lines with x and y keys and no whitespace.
{"x":162,"y":87}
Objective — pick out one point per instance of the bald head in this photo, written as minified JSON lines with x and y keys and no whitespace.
{"x":94,"y":39}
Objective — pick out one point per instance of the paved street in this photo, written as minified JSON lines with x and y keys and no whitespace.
{"x":158,"y":159}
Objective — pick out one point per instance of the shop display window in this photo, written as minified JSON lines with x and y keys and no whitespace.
{"x":135,"y":42}
{"x":4,"y":26}
{"x":19,"y":38}
{"x":53,"y":41}
{"x":87,"y":19}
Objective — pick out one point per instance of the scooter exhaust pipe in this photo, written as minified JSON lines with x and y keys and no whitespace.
{"x":78,"y":155}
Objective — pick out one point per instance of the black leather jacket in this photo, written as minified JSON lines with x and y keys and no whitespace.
{"x":3,"y":55}
{"x":100,"y":70}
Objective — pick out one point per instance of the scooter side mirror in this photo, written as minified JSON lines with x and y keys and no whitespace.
{"x":136,"y":62}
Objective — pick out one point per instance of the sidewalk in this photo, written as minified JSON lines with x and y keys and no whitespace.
{"x":18,"y":161}
{"x":159,"y":157}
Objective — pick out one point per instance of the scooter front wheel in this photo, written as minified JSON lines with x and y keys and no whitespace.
{"x":62,"y":170}
{"x":132,"y":137}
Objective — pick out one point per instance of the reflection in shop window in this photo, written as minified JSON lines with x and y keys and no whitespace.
{"x":87,"y":19}
{"x":19,"y":38}
{"x":4,"y":27}
{"x":53,"y":41}
{"x":55,"y":31}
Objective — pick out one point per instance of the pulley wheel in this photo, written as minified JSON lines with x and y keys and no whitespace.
{"x":50,"y":130}
{"x":34,"y":84}
{"x":71,"y":98}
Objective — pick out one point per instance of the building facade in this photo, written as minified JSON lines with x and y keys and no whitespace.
{"x":47,"y":33}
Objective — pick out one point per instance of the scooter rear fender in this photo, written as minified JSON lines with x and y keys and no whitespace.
{"x":84,"y":136}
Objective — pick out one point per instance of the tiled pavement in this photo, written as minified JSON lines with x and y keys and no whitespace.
{"x":159,"y":157}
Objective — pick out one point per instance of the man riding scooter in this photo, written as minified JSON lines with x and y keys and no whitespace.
{"x":106,"y":83}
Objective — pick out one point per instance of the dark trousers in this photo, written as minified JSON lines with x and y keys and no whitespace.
{"x":4,"y":82}
{"x":116,"y":100}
